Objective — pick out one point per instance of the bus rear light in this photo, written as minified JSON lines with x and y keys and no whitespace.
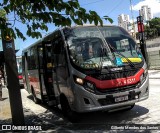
{"x":20,"y":76}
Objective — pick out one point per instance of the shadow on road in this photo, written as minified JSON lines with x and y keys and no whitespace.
{"x":120,"y":117}
{"x":54,"y":119}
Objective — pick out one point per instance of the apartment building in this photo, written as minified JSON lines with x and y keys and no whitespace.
{"x":146,"y":13}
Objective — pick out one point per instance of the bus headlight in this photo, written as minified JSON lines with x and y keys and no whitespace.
{"x":86,"y":84}
{"x":143,"y":76}
{"x":79,"y":81}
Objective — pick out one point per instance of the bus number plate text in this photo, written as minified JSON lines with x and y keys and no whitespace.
{"x":122,"y":98}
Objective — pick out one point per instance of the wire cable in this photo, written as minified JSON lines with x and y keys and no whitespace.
{"x":119,"y":3}
{"x":114,"y":7}
{"x":91,"y":2}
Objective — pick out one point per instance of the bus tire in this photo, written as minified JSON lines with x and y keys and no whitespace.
{"x":35,"y":99}
{"x":67,"y":111}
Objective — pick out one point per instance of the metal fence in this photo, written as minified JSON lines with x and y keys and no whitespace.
{"x":154,"y":59}
{"x":153,"y":50}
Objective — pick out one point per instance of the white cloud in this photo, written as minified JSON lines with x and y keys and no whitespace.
{"x":153,"y":4}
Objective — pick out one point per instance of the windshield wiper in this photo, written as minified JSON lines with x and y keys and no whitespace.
{"x":131,"y":64}
{"x":106,"y":47}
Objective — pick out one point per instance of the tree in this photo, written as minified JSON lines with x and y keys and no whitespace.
{"x":2,"y":14}
{"x":153,"y":28}
{"x":155,"y":23}
{"x":150,"y":32}
{"x":36,"y":14}
{"x":11,"y":71}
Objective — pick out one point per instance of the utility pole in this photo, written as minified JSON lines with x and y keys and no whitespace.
{"x":12,"y":77}
{"x":133,"y":25}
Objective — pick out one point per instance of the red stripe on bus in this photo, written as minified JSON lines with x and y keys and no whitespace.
{"x":33,"y":79}
{"x":119,"y":82}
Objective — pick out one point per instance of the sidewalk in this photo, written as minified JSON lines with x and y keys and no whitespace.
{"x":154,"y":74}
{"x":47,"y":120}
{"x":5,"y":111}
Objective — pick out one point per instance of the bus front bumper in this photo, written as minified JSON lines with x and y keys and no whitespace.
{"x":89,"y":102}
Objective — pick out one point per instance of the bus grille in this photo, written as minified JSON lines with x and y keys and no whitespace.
{"x":117,"y":90}
{"x":115,"y":75}
{"x":111,"y":100}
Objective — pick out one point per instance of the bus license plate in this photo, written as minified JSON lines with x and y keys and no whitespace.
{"x":122,"y":98}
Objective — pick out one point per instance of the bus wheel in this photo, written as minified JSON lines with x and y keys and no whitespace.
{"x":35,"y":99}
{"x":70,"y":114}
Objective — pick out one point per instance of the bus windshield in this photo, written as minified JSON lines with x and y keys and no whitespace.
{"x":94,"y":47}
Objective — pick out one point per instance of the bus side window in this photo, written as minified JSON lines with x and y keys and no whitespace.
{"x":58,"y":52}
{"x":33,"y":58}
{"x":59,"y":58}
{"x":40,"y":55}
{"x":28,"y":59}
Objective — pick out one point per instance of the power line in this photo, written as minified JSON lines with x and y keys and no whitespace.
{"x":103,"y":0}
{"x":91,"y":2}
{"x":115,"y":7}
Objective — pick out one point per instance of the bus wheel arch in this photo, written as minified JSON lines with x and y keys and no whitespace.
{"x":35,"y":99}
{"x":66,"y":109}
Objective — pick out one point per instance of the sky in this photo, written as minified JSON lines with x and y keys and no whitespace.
{"x":111,"y":8}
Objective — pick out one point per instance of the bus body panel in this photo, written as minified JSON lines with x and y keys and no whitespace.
{"x":94,"y":105}
{"x":64,"y":81}
{"x":25,"y":72}
{"x":35,"y":82}
{"x":82,"y":100}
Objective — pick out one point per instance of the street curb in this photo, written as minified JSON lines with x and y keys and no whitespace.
{"x":154,"y":78}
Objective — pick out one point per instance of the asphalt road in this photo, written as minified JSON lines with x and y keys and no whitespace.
{"x":51,"y":119}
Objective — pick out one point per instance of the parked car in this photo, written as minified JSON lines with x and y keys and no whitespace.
{"x":20,"y":77}
{"x":19,"y":66}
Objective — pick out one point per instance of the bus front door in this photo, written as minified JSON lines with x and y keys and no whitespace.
{"x":26,"y":77}
{"x":45,"y":73}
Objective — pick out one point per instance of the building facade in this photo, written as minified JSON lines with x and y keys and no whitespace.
{"x":123,"y":21}
{"x":146,"y":13}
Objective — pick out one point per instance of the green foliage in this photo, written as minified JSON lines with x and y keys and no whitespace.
{"x":152,"y":29}
{"x":37,"y":14}
{"x":2,"y":15}
{"x":109,"y":19}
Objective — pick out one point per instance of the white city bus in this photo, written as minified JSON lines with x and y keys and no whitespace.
{"x":85,"y":69}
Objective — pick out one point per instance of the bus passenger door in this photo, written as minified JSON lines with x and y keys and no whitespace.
{"x":26,"y":74}
{"x":45,"y":71}
{"x":41,"y":71}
